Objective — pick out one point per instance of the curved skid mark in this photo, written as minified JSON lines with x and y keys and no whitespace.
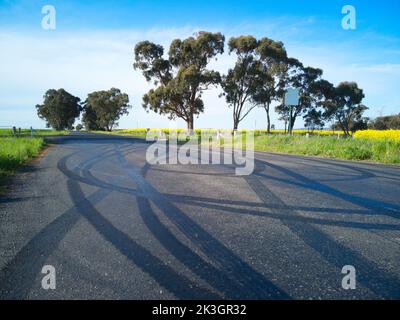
{"x":385,"y":208}
{"x":176,"y":283}
{"x":368,"y":273}
{"x":19,"y":275}
{"x":257,"y":287}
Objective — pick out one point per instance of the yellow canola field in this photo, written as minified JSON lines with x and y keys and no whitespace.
{"x":211,"y":131}
{"x":378,"y":134}
{"x":367,"y":134}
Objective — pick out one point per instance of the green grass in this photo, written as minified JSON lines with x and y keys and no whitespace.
{"x":384,"y":151}
{"x":15,"y":151}
{"x":37,"y":132}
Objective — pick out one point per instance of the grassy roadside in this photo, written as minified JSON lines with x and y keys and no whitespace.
{"x":37,"y":133}
{"x":377,"y":150}
{"x":15,"y":151}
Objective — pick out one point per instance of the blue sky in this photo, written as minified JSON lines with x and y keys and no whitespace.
{"x":92,"y":49}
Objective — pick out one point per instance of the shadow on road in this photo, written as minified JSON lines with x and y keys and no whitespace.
{"x":225,"y":272}
{"x":369,"y":273}
{"x":235,"y":278}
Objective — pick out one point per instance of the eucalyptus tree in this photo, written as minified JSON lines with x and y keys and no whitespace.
{"x":345,"y":106}
{"x":273,"y":56}
{"x":305,"y":79}
{"x":181,"y":79}
{"x":59,"y":109}
{"x":241,"y":82}
{"x":103,"y":109}
{"x":316,"y":115}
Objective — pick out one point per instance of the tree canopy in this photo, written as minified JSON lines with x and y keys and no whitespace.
{"x":241,"y":82}
{"x":59,"y":109}
{"x":345,"y":106}
{"x":262,"y":74}
{"x":253,"y":80}
{"x":273,"y":57}
{"x":103,"y":109}
{"x":310,"y":84}
{"x":181,"y":79}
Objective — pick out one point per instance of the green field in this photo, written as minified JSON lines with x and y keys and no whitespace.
{"x":15,"y":151}
{"x":36,"y":132}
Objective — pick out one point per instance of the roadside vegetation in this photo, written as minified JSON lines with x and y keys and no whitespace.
{"x":360,"y":149}
{"x":141,"y":132}
{"x":366,"y":145}
{"x":15,"y":151}
{"x":36,"y":133}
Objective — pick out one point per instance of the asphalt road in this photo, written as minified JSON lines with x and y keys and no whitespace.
{"x":115,"y":227}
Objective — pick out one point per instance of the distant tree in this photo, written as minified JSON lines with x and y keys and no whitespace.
{"x":284,"y":117}
{"x":180,"y":80}
{"x":359,"y":124}
{"x":386,"y":123}
{"x":103,"y":109}
{"x":59,"y":109}
{"x":345,"y":106}
{"x":241,"y":83}
{"x":79,"y":127}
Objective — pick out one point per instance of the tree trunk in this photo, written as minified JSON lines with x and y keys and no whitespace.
{"x":190,"y":124}
{"x":266,"y":107}
{"x":235,"y":124}
{"x":292,"y":122}
{"x":292,"y":125}
{"x":344,"y":127}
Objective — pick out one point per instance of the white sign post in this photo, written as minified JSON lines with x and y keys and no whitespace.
{"x":292,"y":97}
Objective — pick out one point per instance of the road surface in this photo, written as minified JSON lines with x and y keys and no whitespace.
{"x":115,"y":227}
